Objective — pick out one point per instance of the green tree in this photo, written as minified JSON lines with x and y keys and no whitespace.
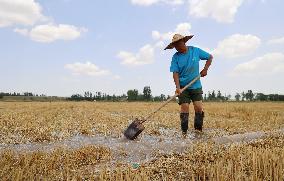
{"x":99,"y":96}
{"x":209,"y":98}
{"x":147,"y":93}
{"x":219,"y":96}
{"x":132,"y":95}
{"x":273,"y":97}
{"x":237,"y":96}
{"x":243,"y":96}
{"x":76,"y":97}
{"x":249,"y":95}
{"x":261,"y":97}
{"x":213,"y":95}
{"x":162,"y":97}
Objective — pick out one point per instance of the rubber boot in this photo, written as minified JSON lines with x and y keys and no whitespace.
{"x":184,"y":122}
{"x":198,"y":121}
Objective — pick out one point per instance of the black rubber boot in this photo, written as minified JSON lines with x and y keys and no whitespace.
{"x":198,"y":121}
{"x":184,"y":122}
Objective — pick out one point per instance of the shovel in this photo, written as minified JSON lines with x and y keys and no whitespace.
{"x":136,"y":127}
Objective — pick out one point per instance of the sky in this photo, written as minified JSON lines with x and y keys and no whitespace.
{"x":63,"y":47}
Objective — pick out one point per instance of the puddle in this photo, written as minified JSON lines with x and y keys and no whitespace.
{"x":145,"y":148}
{"x":245,"y":137}
{"x":140,"y":150}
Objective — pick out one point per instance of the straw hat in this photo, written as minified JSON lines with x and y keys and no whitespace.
{"x":176,"y":38}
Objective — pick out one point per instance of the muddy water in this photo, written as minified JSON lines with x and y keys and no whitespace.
{"x":245,"y":137}
{"x":146,"y":147}
{"x":142,"y":149}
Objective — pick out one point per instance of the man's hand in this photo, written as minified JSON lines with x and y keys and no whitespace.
{"x":178,"y":91}
{"x":176,"y":80}
{"x":203,"y":73}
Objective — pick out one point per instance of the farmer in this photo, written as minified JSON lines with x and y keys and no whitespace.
{"x":185,"y":67}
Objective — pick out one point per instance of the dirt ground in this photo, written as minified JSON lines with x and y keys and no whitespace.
{"x":83,"y":140}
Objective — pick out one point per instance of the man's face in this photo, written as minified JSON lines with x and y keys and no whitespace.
{"x":180,"y":46}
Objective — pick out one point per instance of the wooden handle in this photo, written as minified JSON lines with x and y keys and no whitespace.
{"x":174,"y":96}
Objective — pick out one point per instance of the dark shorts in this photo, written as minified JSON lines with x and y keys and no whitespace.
{"x":189,"y":95}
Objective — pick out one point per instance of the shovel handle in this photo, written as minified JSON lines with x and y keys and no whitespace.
{"x":170,"y":99}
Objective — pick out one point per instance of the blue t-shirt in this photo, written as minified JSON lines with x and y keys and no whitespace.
{"x":187,"y":65}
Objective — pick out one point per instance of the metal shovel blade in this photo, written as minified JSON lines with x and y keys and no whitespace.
{"x":134,"y":129}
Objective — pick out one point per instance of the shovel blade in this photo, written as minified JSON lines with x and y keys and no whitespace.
{"x":134,"y":129}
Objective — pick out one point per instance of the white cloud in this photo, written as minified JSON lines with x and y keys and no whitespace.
{"x":144,"y":2}
{"x":269,"y":63}
{"x":50,"y":32}
{"x":87,"y":68}
{"x":159,"y":45}
{"x":28,"y":13}
{"x":144,"y":56}
{"x":156,"y":35}
{"x":20,"y":12}
{"x":182,"y":28}
{"x":220,"y":10}
{"x":276,"y":41}
{"x":237,"y":45}
{"x":174,"y":2}
{"x":151,"y":2}
{"x":24,"y":32}
{"x":116,"y":77}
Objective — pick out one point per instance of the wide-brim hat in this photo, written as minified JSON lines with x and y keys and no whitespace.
{"x":176,"y":38}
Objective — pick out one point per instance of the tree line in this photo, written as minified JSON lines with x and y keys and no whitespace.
{"x":2,"y":94}
{"x":131,"y":95}
{"x":243,"y":96}
{"x":146,"y":95}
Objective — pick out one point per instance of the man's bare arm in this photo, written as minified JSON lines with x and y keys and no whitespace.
{"x":176,"y":80}
{"x":207,"y":65}
{"x":208,"y":62}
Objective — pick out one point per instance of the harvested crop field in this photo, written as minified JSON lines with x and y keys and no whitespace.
{"x":83,"y":141}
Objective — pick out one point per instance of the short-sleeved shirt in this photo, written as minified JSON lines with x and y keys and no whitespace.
{"x":187,"y":65}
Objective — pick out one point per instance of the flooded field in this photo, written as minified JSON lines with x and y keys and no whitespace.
{"x":72,"y":140}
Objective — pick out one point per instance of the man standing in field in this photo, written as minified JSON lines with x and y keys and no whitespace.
{"x":185,"y":67}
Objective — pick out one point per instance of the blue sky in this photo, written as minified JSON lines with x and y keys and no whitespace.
{"x":61,"y":47}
